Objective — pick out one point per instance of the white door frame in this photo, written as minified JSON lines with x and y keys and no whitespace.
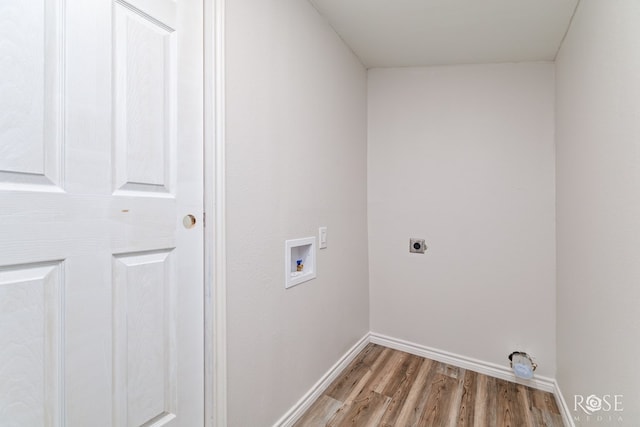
{"x":215,"y":299}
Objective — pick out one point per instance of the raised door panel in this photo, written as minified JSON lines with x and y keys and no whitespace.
{"x":30,"y":345}
{"x":144,"y":339}
{"x":30,"y":94}
{"x":145,"y":103}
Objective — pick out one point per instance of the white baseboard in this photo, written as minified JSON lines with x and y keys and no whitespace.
{"x":318,"y":388}
{"x":482,"y":367}
{"x":562,"y":406}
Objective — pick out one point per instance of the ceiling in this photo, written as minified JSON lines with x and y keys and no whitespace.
{"x":402,"y":33}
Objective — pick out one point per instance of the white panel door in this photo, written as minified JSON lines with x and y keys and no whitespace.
{"x":101,"y":279}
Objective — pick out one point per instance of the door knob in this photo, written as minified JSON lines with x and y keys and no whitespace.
{"x":189,"y":221}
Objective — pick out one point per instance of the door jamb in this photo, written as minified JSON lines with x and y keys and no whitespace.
{"x":215,"y":339}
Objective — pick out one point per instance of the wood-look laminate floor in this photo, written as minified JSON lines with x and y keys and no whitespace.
{"x":385,"y":387}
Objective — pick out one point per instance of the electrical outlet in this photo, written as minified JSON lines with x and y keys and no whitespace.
{"x":417,"y":246}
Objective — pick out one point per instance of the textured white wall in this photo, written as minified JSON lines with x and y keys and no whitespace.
{"x":598,"y":206}
{"x":463,"y":156}
{"x":296,"y":160}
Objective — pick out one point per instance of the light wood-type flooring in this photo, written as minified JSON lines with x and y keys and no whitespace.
{"x":385,"y":387}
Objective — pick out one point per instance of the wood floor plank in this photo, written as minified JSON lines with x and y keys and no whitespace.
{"x":339,"y":418}
{"x":544,"y":401}
{"x":510,"y":413}
{"x":437,"y":409}
{"x":371,"y":353}
{"x":456,"y":398}
{"x":538,"y":419}
{"x":366,"y":410}
{"x":524,"y":401}
{"x":385,"y":387}
{"x":466,"y":402}
{"x":400,"y":387}
{"x":414,"y":402}
{"x":385,"y":372}
{"x":402,"y":374}
{"x":319,"y":414}
{"x":357,"y":388}
{"x":425,"y":393}
{"x":343,"y":385}
{"x":449,"y":370}
{"x":551,"y":419}
{"x":486,"y":406}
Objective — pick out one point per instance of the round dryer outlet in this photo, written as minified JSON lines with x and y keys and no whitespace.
{"x":417,"y":246}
